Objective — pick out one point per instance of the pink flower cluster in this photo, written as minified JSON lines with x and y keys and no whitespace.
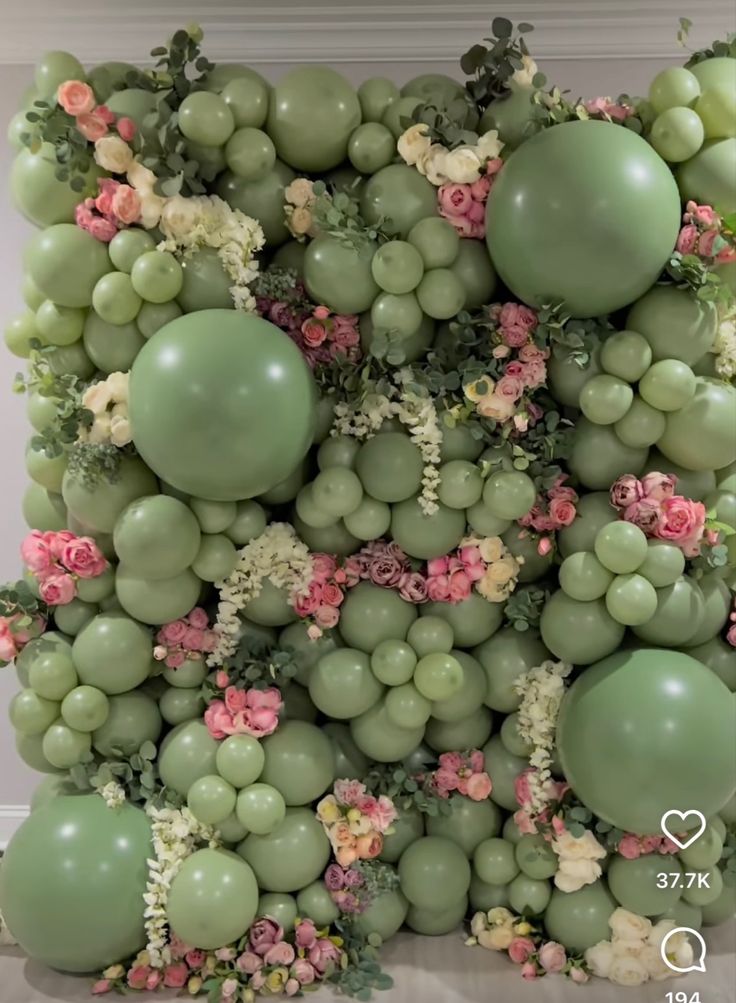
{"x":14,"y":637}
{"x":322,"y":600}
{"x":632,"y":846}
{"x":344,"y":885}
{"x":58,"y":560}
{"x":529,"y":823}
{"x":384,"y":563}
{"x":464,"y":205}
{"x":244,"y":712}
{"x":731,"y":633}
{"x":601,"y":107}
{"x":320,"y":335}
{"x":116,"y":206}
{"x":552,"y":511}
{"x":516,"y":324}
{"x":546,"y":958}
{"x":355,"y":822}
{"x":462,"y":773}
{"x":185,"y":639}
{"x":450,"y":579}
{"x":702,"y":234}
{"x":652,"y":505}
{"x":92,"y":120}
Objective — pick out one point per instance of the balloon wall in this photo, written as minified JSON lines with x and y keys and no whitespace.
{"x":381,"y":512}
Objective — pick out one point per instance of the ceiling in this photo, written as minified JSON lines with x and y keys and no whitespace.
{"x":349,"y":32}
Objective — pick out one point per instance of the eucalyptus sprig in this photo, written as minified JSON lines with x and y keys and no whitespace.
{"x":447,"y":126}
{"x":256,"y":664}
{"x":65,"y":392}
{"x":524,"y":607}
{"x":408,"y":788}
{"x":689,"y":271}
{"x":720,"y":48}
{"x":49,"y":123}
{"x":569,"y":337}
{"x":337,"y":213}
{"x":360,"y":971}
{"x":95,"y":463}
{"x":492,"y":66}
{"x":136,"y":774}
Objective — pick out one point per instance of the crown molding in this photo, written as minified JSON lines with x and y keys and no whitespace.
{"x":348,"y":31}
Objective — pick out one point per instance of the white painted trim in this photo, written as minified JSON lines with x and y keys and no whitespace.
{"x":350,"y":31}
{"x":11,"y":816}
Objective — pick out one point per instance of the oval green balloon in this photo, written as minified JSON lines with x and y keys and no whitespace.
{"x":675,"y":324}
{"x":342,"y":685}
{"x":113,"y":653}
{"x":132,"y":719}
{"x":634,"y":883}
{"x":678,"y":617}
{"x":377,"y":737}
{"x":708,"y":176}
{"x":157,"y":601}
{"x":426,"y":536}
{"x":599,"y":457}
{"x":371,"y":614}
{"x":385,"y":915}
{"x":157,"y":537}
{"x":473,"y":620}
{"x":503,"y":768}
{"x":213,"y":899}
{"x":38,"y":194}
{"x":186,"y":754}
{"x":400,"y":194}
{"x":434,"y":873}
{"x":505,"y":657}
{"x":211,"y":799}
{"x":338,"y":276}
{"x":260,"y":809}
{"x":315,"y":902}
{"x":699,"y":436}
{"x":66,"y":263}
{"x":579,"y":920}
{"x":579,"y":632}
{"x":300,"y":762}
{"x":469,"y":823}
{"x":292,"y":856}
{"x":435,"y":923}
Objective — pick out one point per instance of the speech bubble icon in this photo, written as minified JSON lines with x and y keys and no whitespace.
{"x":698,"y":964}
{"x":683,"y":815}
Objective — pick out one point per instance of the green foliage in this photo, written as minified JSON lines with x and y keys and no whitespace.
{"x":256,"y":664}
{"x":337,"y":213}
{"x":720,"y":48}
{"x":492,"y":66}
{"x":444,"y":125}
{"x":524,"y":607}
{"x":283,"y":285}
{"x":95,"y":462}
{"x":49,"y":123}
{"x":407,"y":790}
{"x":136,"y":774}
{"x":691,"y":272}
{"x":66,"y":394}
{"x":569,"y":337}
{"x":360,"y":972}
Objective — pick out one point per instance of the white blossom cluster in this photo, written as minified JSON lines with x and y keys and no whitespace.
{"x":541,"y":689}
{"x":633,"y":955}
{"x":112,"y":794}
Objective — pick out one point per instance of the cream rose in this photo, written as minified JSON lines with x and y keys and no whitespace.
{"x":651,"y":958}
{"x":489,"y":146}
{"x":627,"y":972}
{"x":491,"y":592}
{"x":178,"y":217}
{"x":119,"y":430}
{"x":496,"y":407}
{"x":113,"y":154}
{"x":572,"y":875}
{"x":99,"y":432}
{"x":431,"y":164}
{"x":497,"y":938}
{"x":478,"y":924}
{"x":526,"y":74}
{"x":151,"y":208}
{"x":492,"y":549}
{"x":97,"y":397}
{"x":140,"y":177}
{"x":628,"y":926}
{"x":299,"y":193}
{"x":462,"y":166}
{"x":599,"y":958}
{"x":300,"y":221}
{"x":502,"y":571}
{"x":118,"y":384}
{"x":414,"y":142}
{"x":659,"y":931}
{"x":585,"y":847}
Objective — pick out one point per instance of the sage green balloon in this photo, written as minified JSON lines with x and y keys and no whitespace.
{"x":156,"y":601}
{"x":249,"y":522}
{"x":111,"y":347}
{"x":675,"y":324}
{"x":473,"y":620}
{"x":205,"y":118}
{"x":65,"y":865}
{"x":503,"y":768}
{"x":599,"y":457}
{"x":20,"y":332}
{"x":393,"y":662}
{"x":48,"y":471}
{"x":474,"y":269}
{"x":621,"y":547}
{"x":157,"y":276}
{"x":157,"y":537}
{"x":240,"y":760}
{"x":260,"y":809}
{"x":461,"y":484}
{"x":684,"y":914}
{"x":51,"y":672}
{"x":315,"y":902}
{"x":66,"y":263}
{"x":339,"y":276}
{"x":579,"y":632}
{"x":535,"y":857}
{"x":397,"y":313}
{"x":213,"y":516}
{"x":375,"y":96}
{"x":342,"y":685}
{"x":605,"y":399}
{"x":708,"y":176}
{"x":370,"y":520}
{"x":71,"y":360}
{"x":247,"y":99}
{"x":510,"y":114}
{"x":271,"y":607}
{"x":292,"y":856}
{"x":186,"y":754}
{"x":331,"y":540}
{"x":213,"y":899}
{"x":705,"y":851}
{"x":153,"y":316}
{"x":205,"y":285}
{"x":390,"y":467}
{"x":99,"y":507}
{"x":583,"y":577}
{"x":494,"y":861}
{"x":721,"y":909}
{"x":113,"y":653}
{"x":127,"y":246}
{"x":75,"y":615}
{"x":668,"y":385}
{"x":505,"y":657}
{"x":713,"y":72}
{"x":248,"y":443}
{"x":434,"y":873}
{"x":406,"y":829}
{"x":437,"y":242}
{"x":371,"y":614}
{"x":43,"y":509}
{"x":723,"y":502}
{"x":349,"y":760}
{"x":337,"y":491}
{"x":215,"y":558}
{"x":380,"y":739}
{"x":384,"y":916}
{"x":371,"y":147}
{"x":136,"y":103}
{"x":553,"y":186}
{"x":30,"y":751}
{"x":397,"y":267}
{"x":633,"y":883}
{"x":511,"y":831}
{"x":211,"y":799}
{"x":59,"y":325}
{"x":63,"y":746}
{"x":132,"y":719}
{"x":483,"y":521}
{"x":436,"y":923}
{"x":438,"y":676}
{"x":469,"y":823}
{"x":85,"y":708}
{"x":627,"y":355}
{"x":262,"y":199}
{"x":31,"y":714}
{"x":41,"y":411}
{"x":484,"y":896}
{"x":642,"y":425}
{"x":466,"y":701}
{"x":717,"y":654}
{"x":177,"y":706}
{"x":579,"y":920}
{"x":401,"y":195}
{"x":429,"y":635}
{"x":300,"y":762}
{"x":677,"y":134}
{"x":473,"y":731}
{"x":281,"y":908}
{"x":36,"y":191}
{"x":567,"y":378}
{"x":699,"y":435}
{"x":673,"y":87}
{"x":614,"y":746}
{"x":298,"y":704}
{"x":717,"y":600}
{"x":679,"y":615}
{"x":426,"y":536}
{"x":48,"y":643}
{"x":509,"y":494}
{"x":312,"y":112}
{"x":115,"y":300}
{"x":32,"y":295}
{"x":441,"y":294}
{"x":435,"y":88}
{"x":250,"y":153}
{"x":594,"y":511}
{"x":310,"y":513}
{"x":406,"y":707}
{"x":395,"y":113}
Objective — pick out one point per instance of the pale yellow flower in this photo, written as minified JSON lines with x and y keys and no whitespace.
{"x":299,"y":193}
{"x":479,"y":389}
{"x":414,"y":142}
{"x":113,"y":154}
{"x":462,"y":165}
{"x":300,"y":221}
{"x":492,"y":549}
{"x":328,"y":810}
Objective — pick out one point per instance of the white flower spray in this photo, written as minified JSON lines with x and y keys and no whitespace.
{"x":541,"y":689}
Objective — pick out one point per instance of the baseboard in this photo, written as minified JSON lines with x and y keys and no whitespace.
{"x":11,"y":816}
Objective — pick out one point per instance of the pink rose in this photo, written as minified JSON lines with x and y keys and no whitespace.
{"x":529,"y":971}
{"x":326,"y":617}
{"x":313,"y":332}
{"x":58,"y":590}
{"x":544,"y":546}
{"x":305,"y":934}
{"x":558,"y":826}
{"x":264,"y":933}
{"x":520,"y":949}
{"x":687,"y":239}
{"x":249,"y":963}
{"x":452,"y":761}
{"x":218,"y":719}
{"x":349,"y":792}
{"x":195,"y":958}
{"x":176,"y":976}
{"x":257,"y":981}
{"x":323,"y":954}
{"x":705,"y":214}
{"x":649,"y":844}
{"x":280,"y":954}
{"x":193,"y":639}
{"x":438,"y":566}
{"x":103,"y":112}
{"x":102,"y":229}
{"x":521,"y":788}
{"x":579,"y":976}
{"x":332,"y":595}
{"x":533,"y":353}
{"x":705,"y":243}
{"x":493,"y":166}
{"x":126,"y":205}
{"x":235,"y":699}
{"x":92,"y":126}
{"x":382,"y":813}
{"x":454,"y":200}
{"x":480,"y":188}
{"x":83,"y":558}
{"x":306,"y":604}
{"x":509,"y":388}
{"x":535,"y":374}
{"x":323,"y":567}
{"x":303,"y":972}
{"x":138,"y":976}
{"x":198,"y":618}
{"x":173,"y":633}
{"x":629,"y":847}
{"x":58,"y":541}
{"x":175,"y":659}
{"x":552,"y":956}
{"x":413,"y":588}
{"x":446,"y":779}
{"x":438,"y":589}
{"x":682,"y":522}
{"x":460,"y":586}
{"x":36,"y":552}
{"x":126,"y":128}
{"x":8,"y":647}
{"x":75,"y":97}
{"x":563,"y":512}
{"x":222,"y":679}
{"x":646,"y":514}
{"x":479,"y":787}
{"x":476,"y":212}
{"x":101,"y":986}
{"x":731,"y":635}
{"x":626,"y":490}
{"x":516,"y":316}
{"x":524,"y":823}
{"x":321,"y":312}
{"x":658,"y":486}
{"x":334,"y":878}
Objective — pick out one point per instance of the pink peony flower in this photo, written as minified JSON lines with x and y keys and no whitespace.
{"x":303,"y":971}
{"x":480,"y":188}
{"x":535,"y":374}
{"x":8,"y":646}
{"x":349,"y":792}
{"x":103,"y":112}
{"x":552,"y":956}
{"x":75,"y":97}
{"x":36,"y":553}
{"x":332,"y":595}
{"x":626,"y":491}
{"x":682,"y":522}
{"x":58,"y":589}
{"x":381,"y":813}
{"x":454,"y":200}
{"x":102,"y":229}
{"x":646,"y":514}
{"x":313,"y":332}
{"x":249,"y":963}
{"x":83,"y":558}
{"x":92,"y":125}
{"x":413,"y":588}
{"x":334,"y":878}
{"x":438,"y":589}
{"x":126,"y":205}
{"x":516,"y":322}
{"x":126,"y":128}
{"x":438,"y":566}
{"x":307,"y":603}
{"x":687,"y":239}
{"x":176,"y":975}
{"x":323,"y":954}
{"x":608,"y":108}
{"x":479,"y":787}
{"x":524,"y":823}
{"x":704,"y":214}
{"x":630,"y":847}
{"x":195,"y":958}
{"x":305,"y":934}
{"x":658,"y":486}
{"x":326,"y":617}
{"x":521,"y":949}
{"x":386,"y":571}
{"x":562,"y":512}
{"x":235,"y":699}
{"x":446,"y":780}
{"x":280,"y":954}
{"x":460,"y":586}
{"x":264,"y":933}
{"x":323,"y":567}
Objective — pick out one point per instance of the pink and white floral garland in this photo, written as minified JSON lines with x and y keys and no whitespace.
{"x":57,"y":560}
{"x":355,"y":822}
{"x":461,"y":773}
{"x":701,"y":235}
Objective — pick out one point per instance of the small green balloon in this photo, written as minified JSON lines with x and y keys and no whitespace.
{"x":673,"y":87}
{"x":153,"y":316}
{"x":66,"y":263}
{"x":704,"y":852}
{"x":469,"y":823}
{"x":249,"y":522}
{"x":384,"y":916}
{"x":132,"y":719}
{"x":178,"y":706}
{"x":397,"y":111}
{"x":52,"y":674}
{"x":435,"y":923}
{"x":400,"y":193}
{"x":38,"y":193}
{"x":20,"y":332}
{"x":262,"y":199}
{"x":48,"y":471}
{"x":505,"y":657}
{"x":380,"y":739}
{"x":716,"y":110}
{"x":429,"y":635}
{"x":282,"y":909}
{"x":474,"y":269}
{"x":675,"y":324}
{"x":494,"y":861}
{"x":371,"y":614}
{"x":423,"y":535}
{"x":30,"y":751}
{"x":397,"y":267}
{"x":213,"y":516}
{"x":579,"y":632}
{"x":63,"y":746}
{"x":583,"y":577}
{"x":677,"y":134}
{"x":406,"y":707}
{"x":157,"y":276}
{"x":473,"y":620}
{"x":473,"y":731}
{"x":60,"y":325}
{"x":461,"y":484}
{"x":626,"y":355}
{"x":300,"y":762}
{"x":31,"y":714}
{"x":535,"y":857}
{"x":156,"y":601}
{"x":371,"y":147}
{"x":484,"y":896}
{"x":605,"y":399}
{"x":211,"y":799}
{"x":85,"y":708}
{"x":247,"y":99}
{"x":342,"y":685}
{"x":291,"y":857}
{"x":127,"y":246}
{"x":271,"y":607}
{"x":215,"y":558}
{"x":115,"y":300}
{"x":157,"y":537}
{"x":579,"y":920}
{"x":441,"y":294}
{"x":679,"y":615}
{"x":75,"y":615}
{"x":393,"y":662}
{"x":511,"y":737}
{"x":390,"y":467}
{"x":635,"y":886}
{"x":315,"y":902}
{"x":708,"y":178}
{"x":437,"y":242}
{"x":642,"y":425}
{"x":71,"y":360}
{"x":631,"y":600}
{"x":205,"y":118}
{"x":99,"y":507}
{"x":599,"y":457}
{"x":463,"y":704}
{"x":206,"y":285}
{"x":668,"y":385}
{"x":240,"y":760}
{"x":186,"y":754}
{"x":717,"y":608}
{"x":406,"y":829}
{"x":250,"y":154}
{"x":375,"y":96}
{"x":594,"y":511}
{"x":370,"y":520}
{"x":260,"y":809}
{"x":704,"y":424}
{"x":509,"y":495}
{"x":438,"y":676}
{"x":337,"y":491}
{"x":621,"y":547}
{"x":434,"y":873}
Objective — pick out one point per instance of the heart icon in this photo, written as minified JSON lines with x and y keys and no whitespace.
{"x":683,"y":815}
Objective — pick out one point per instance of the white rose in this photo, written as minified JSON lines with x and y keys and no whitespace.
{"x":627,"y":948}
{"x":140,"y":177}
{"x":599,"y":958}
{"x":682,"y":954}
{"x":178,"y":217}
{"x":299,"y":193}
{"x":489,"y":145}
{"x":526,"y":74}
{"x":462,"y":166}
{"x":100,"y":430}
{"x":498,"y":938}
{"x":113,"y":154}
{"x":573,"y":875}
{"x":585,"y":847}
{"x":431,"y":164}
{"x":651,"y":958}
{"x":478,"y":924}
{"x":97,"y":397}
{"x":413,"y":142}
{"x":659,"y":931}
{"x":120,"y":431}
{"x":627,"y":972}
{"x":151,"y":208}
{"x":628,"y":926}
{"x":117,"y":384}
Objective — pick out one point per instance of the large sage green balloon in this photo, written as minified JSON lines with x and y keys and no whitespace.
{"x":38,"y":194}
{"x":42,"y":509}
{"x":717,"y":598}
{"x":213,"y":899}
{"x":339,"y":276}
{"x":708,"y":176}
{"x":342,"y":685}
{"x":598,"y":455}
{"x":371,"y":614}
{"x":473,"y":620}
{"x":380,"y":739}
{"x":99,"y":507}
{"x":385,"y":915}
{"x":426,"y":536}
{"x":505,"y":657}
{"x":401,"y":195}
{"x":66,"y":263}
{"x":503,"y":768}
{"x":634,"y":885}
{"x":579,"y":632}
{"x":579,"y":920}
{"x":262,"y":199}
{"x":132,"y":719}
{"x":315,"y":902}
{"x":434,"y":873}
{"x":435,"y":923}
{"x":679,"y":615}
{"x":186,"y":754}
{"x":63,"y":868}
{"x":700,"y":435}
{"x":675,"y":324}
{"x":647,"y":731}
{"x":113,"y":653}
{"x":221,"y":404}
{"x":312,"y":112}
{"x":157,"y":537}
{"x":552,"y":185}
{"x":292,"y":856}
{"x":390,"y":467}
{"x":156,"y":601}
{"x":468,"y":824}
{"x":300,"y":762}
